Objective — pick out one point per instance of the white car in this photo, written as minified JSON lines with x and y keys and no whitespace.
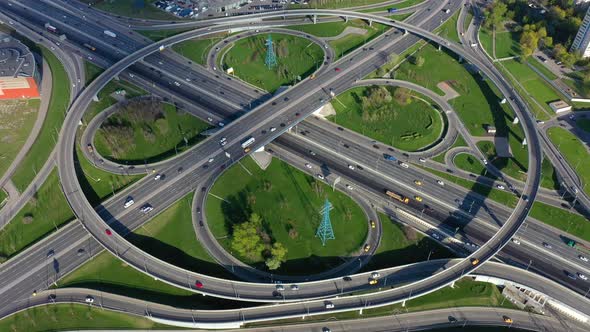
{"x":321,"y":177}
{"x":351,"y":167}
{"x":272,"y":129}
{"x":515,"y":241}
{"x":349,"y":187}
{"x":422,"y":160}
{"x":221,"y":124}
{"x":375,"y":275}
{"x":129,"y":202}
{"x":89,"y":299}
{"x":146,"y":208}
{"x":404,"y":165}
{"x":280,"y":287}
{"x":211,"y":160}
{"x":582,"y":276}
{"x":500,"y":187}
{"x":294,"y":287}
{"x":176,"y":83}
{"x":329,"y":305}
{"x":485,"y":162}
{"x":308,"y":166}
{"x":436,"y":236}
{"x":583,"y":258}
{"x":157,"y":177}
{"x":440,"y":182}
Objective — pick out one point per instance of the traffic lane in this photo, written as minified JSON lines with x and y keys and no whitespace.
{"x":377,"y":182}
{"x":484,"y":210}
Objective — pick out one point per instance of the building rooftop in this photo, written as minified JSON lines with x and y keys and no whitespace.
{"x":15,"y":58}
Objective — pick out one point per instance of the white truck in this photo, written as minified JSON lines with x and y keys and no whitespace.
{"x":110,"y":33}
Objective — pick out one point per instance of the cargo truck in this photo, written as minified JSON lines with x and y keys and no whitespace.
{"x":110,"y":33}
{"x":51,"y":28}
{"x":398,"y":197}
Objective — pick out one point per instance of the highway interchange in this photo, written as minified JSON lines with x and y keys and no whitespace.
{"x":308,"y":98}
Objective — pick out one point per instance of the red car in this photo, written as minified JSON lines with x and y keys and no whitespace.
{"x":108,"y":231}
{"x":199,"y":284}
{"x":336,"y":69}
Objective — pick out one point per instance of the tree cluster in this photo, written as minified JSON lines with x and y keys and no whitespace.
{"x":250,"y":240}
{"x":541,"y":28}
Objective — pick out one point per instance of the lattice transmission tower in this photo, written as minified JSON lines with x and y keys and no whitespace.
{"x":325,"y":231}
{"x":271,"y":57}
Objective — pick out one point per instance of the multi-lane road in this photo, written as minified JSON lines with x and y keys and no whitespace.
{"x":305,"y":97}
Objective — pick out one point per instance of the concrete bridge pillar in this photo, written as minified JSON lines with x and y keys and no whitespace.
{"x":453,"y":284}
{"x":346,"y":19}
{"x":404,"y":303}
{"x":370,"y":23}
{"x":439,"y":47}
{"x":315,"y":19}
{"x":95,"y":98}
{"x":405,"y":32}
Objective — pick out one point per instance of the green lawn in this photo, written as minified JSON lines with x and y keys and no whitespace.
{"x":328,"y":29}
{"x":534,"y":85}
{"x":459,"y":141}
{"x":349,"y":43}
{"x":396,"y":60}
{"x":584,"y":124}
{"x":105,"y":99}
{"x":477,"y":105}
{"x":407,"y":127}
{"x":486,"y":40}
{"x":142,"y":133}
{"x":289,"y":202}
{"x":568,"y":222}
{"x":401,"y":5}
{"x":62,"y":317}
{"x":17,"y":118}
{"x":91,"y":71}
{"x":196,"y":49}
{"x":402,"y":245}
{"x":133,"y":8}
{"x":541,"y":67}
{"x":40,"y":150}
{"x":548,"y":175}
{"x":296,"y":59}
{"x":507,"y":44}
{"x":466,"y":293}
{"x":514,"y":166}
{"x":469,"y":163}
{"x":3,"y":197}
{"x":170,"y":236}
{"x":46,"y":211}
{"x":574,"y":151}
{"x":449,"y":29}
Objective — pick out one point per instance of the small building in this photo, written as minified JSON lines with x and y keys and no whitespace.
{"x":560,"y":106}
{"x":490,"y":129}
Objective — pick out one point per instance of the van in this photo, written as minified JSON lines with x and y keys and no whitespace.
{"x":128,"y":202}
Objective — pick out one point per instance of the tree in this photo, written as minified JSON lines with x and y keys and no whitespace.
{"x":402,"y":96}
{"x":246,"y":239}
{"x":278,"y":255}
{"x":529,"y":41}
{"x":495,"y":14}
